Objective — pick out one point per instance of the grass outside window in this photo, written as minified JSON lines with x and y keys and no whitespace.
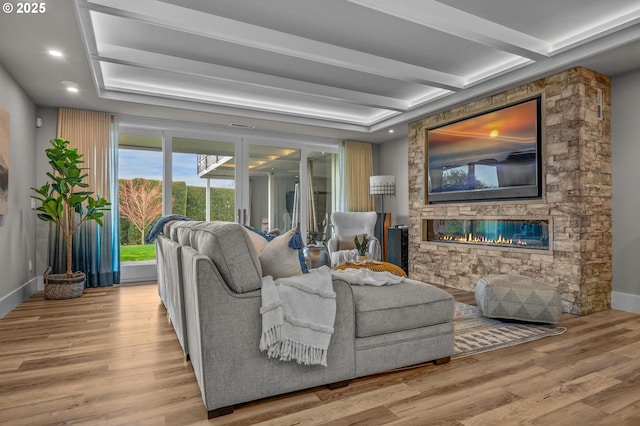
{"x":137,"y":252}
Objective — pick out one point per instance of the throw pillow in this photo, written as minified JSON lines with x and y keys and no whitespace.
{"x":348,"y":243}
{"x":258,"y":238}
{"x":277,"y":256}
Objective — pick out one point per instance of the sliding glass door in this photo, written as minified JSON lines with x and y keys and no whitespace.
{"x":253,"y":184}
{"x":203,"y":176}
{"x":322,"y":195}
{"x":139,"y":192}
{"x":262,"y":181}
{"x":263,"y":185}
{"x":273,"y":187}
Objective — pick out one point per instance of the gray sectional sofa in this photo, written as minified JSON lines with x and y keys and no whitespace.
{"x":209,"y":276}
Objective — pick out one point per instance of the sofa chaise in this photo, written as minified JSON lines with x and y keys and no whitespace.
{"x":210,"y":275}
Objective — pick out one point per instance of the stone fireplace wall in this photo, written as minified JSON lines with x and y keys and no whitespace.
{"x":576,"y":197}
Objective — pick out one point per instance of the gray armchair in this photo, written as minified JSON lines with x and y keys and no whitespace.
{"x":346,"y":225}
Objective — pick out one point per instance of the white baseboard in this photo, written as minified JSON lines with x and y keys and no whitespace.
{"x":625,"y":302}
{"x":13,"y":299}
{"x":138,"y":271}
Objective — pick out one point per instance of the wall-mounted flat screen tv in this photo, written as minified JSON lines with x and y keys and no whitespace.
{"x":491,"y":156}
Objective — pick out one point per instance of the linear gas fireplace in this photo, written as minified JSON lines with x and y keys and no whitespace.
{"x":517,"y":233}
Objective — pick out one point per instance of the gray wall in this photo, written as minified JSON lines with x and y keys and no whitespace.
{"x":43,"y":137}
{"x":625,"y":159}
{"x":17,"y":229}
{"x":393,"y":161}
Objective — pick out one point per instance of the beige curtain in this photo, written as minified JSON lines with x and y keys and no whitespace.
{"x":96,"y":249}
{"x":90,"y":132}
{"x":357,"y":168}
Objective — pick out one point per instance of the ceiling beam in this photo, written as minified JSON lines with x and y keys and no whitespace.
{"x":447,"y":19}
{"x":229,"y":75}
{"x":252,"y":36}
{"x":590,"y":34}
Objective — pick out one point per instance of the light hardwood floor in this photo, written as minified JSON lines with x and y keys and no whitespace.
{"x":111,"y":357}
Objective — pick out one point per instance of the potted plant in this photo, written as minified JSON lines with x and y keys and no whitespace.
{"x":361,"y":246}
{"x":64,"y":203}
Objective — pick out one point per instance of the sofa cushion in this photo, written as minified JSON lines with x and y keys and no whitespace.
{"x":180,"y":231}
{"x":162,"y":225}
{"x":173,"y":230}
{"x":411,"y":304}
{"x":230,"y":249}
{"x":166,"y":229}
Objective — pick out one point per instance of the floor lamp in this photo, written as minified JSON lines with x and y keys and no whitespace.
{"x":383,"y":185}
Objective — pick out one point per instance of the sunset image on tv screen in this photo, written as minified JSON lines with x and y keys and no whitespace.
{"x":493,"y":150}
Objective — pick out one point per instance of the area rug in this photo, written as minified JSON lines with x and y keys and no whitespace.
{"x":475,"y":334}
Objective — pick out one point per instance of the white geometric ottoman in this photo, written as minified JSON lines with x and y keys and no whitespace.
{"x":519,"y":298}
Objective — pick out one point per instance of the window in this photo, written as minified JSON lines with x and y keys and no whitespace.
{"x":208,"y":173}
{"x":203,"y":176}
{"x":322,"y":167}
{"x":140,"y":193}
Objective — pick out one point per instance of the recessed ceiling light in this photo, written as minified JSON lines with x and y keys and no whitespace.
{"x":71,"y":86}
{"x":56,"y":53}
{"x":391,"y":130}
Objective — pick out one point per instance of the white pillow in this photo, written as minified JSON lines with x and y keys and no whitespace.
{"x":278,"y":259}
{"x":259,"y":241}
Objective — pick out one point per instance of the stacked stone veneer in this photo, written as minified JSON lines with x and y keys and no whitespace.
{"x":576,"y":198}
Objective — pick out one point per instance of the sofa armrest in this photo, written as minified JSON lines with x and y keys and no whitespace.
{"x":169,"y":264}
{"x":224,"y":330}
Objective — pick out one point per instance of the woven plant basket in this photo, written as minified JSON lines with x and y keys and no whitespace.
{"x":58,"y":286}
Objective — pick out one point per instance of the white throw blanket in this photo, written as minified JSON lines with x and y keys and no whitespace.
{"x":365,"y":276}
{"x":298,"y":314}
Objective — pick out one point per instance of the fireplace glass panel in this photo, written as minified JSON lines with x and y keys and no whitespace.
{"x":529,"y":234}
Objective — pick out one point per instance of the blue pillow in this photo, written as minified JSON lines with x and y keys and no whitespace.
{"x":296,"y":243}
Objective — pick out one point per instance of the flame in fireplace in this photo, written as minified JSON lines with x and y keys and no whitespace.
{"x":470,"y":238}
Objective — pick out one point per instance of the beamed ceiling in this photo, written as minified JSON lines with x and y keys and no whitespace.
{"x":351,"y":67}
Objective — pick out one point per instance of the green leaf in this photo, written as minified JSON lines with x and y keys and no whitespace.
{"x":51,"y":207}
{"x":46,"y":218}
{"x":76,"y":199}
{"x":103,"y":203}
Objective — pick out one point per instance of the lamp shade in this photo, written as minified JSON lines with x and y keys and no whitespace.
{"x":382,"y":185}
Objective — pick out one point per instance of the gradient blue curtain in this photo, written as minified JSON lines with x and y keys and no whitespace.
{"x":96,"y":249}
